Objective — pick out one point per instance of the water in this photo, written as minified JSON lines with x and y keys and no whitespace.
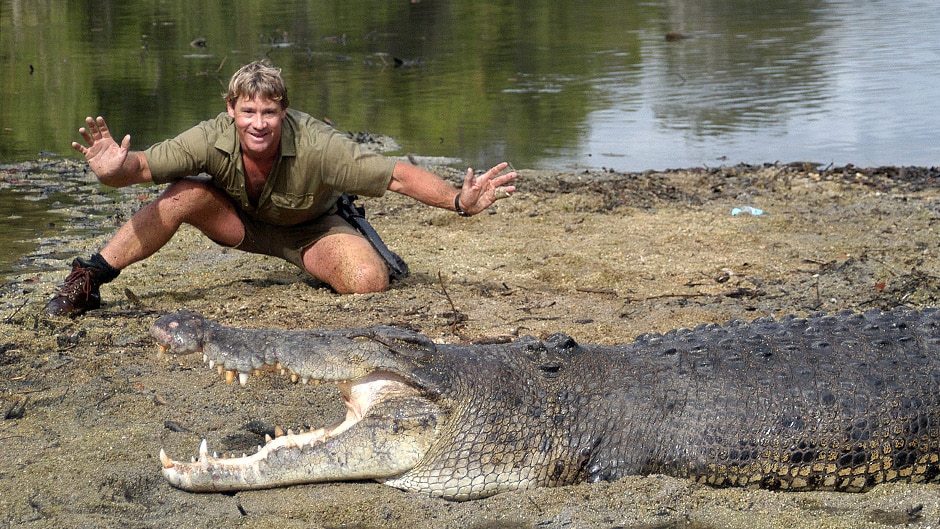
{"x":543,"y":84}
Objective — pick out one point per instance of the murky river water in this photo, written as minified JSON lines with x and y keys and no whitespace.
{"x":630,"y":85}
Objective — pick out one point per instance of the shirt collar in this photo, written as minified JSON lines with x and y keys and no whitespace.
{"x":228,"y":140}
{"x":288,"y":143}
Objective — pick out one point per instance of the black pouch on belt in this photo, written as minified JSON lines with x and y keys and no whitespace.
{"x":356,"y":216}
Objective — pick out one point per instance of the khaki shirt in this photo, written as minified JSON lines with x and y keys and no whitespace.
{"x":315,"y":165}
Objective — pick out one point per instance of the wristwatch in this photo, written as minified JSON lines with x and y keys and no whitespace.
{"x":457,"y":208}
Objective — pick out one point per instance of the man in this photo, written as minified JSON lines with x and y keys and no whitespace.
{"x":276,"y":175}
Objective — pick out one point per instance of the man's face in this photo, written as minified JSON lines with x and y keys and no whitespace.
{"x":258,"y":123}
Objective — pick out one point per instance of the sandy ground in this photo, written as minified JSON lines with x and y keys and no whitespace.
{"x":87,"y":404}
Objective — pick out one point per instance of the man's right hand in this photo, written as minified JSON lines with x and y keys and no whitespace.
{"x":105,"y":157}
{"x":115,"y":165}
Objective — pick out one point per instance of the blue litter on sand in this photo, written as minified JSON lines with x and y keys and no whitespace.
{"x":746,"y":209}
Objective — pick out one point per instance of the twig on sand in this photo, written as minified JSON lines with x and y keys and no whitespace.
{"x":458,"y":316}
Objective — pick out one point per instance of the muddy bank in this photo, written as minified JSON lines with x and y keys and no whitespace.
{"x":87,"y":404}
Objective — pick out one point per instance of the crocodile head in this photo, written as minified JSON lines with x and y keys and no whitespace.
{"x":393,"y":415}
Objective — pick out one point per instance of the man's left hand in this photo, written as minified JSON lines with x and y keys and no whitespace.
{"x":480,"y":192}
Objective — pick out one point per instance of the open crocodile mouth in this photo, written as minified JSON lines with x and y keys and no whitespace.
{"x":212,"y":472}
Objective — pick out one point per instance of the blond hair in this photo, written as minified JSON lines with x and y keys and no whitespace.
{"x":258,"y":78}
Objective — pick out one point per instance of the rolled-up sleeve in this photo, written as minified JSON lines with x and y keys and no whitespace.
{"x":184,"y":155}
{"x":347,"y":167}
{"x":336,"y":161}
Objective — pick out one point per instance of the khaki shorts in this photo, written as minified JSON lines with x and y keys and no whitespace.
{"x":289,"y":242}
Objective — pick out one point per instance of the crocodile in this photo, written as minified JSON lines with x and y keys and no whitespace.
{"x":838,"y":402}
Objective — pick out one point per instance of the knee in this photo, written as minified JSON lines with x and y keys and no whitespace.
{"x":347,"y":263}
{"x":365,"y":278}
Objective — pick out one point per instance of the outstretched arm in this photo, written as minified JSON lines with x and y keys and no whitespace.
{"x":115,"y":165}
{"x":477,"y":193}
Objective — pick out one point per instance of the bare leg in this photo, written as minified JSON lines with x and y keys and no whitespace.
{"x":348,"y":263}
{"x":196,"y":203}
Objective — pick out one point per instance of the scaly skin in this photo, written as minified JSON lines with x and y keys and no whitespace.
{"x":840,"y":402}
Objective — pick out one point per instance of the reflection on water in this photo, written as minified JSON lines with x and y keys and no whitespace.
{"x":22,"y":216}
{"x":44,"y":203}
{"x":545,"y":84}
{"x":828,"y":82}
{"x":542,"y":84}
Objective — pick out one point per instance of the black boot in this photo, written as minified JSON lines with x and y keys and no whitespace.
{"x":80,"y":292}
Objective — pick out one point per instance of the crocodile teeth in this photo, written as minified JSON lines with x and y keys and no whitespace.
{"x":230,"y":376}
{"x":204,"y":455}
{"x":278,"y":432}
{"x":165,"y":460}
{"x":243,"y":378}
